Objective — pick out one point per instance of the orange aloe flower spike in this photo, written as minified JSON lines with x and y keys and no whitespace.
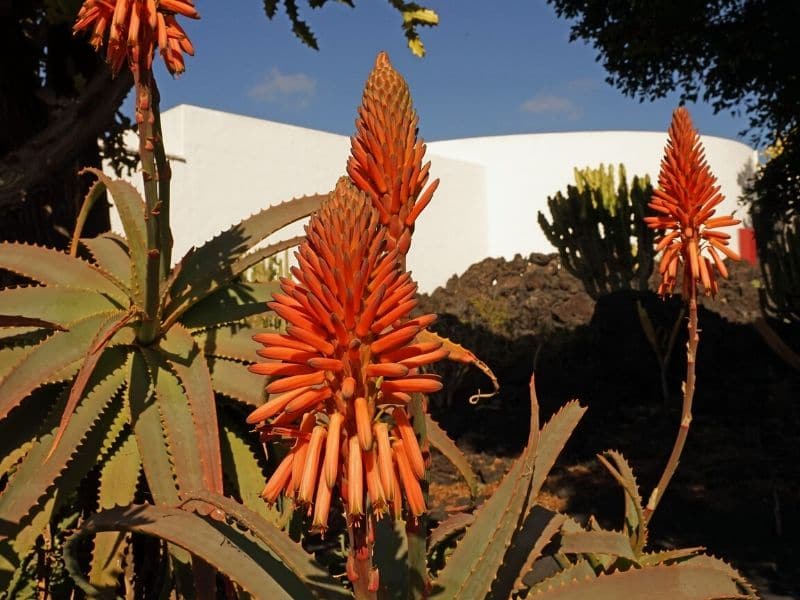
{"x":386,"y":154}
{"x":135,"y":28}
{"x":684,"y":204}
{"x":347,"y":304}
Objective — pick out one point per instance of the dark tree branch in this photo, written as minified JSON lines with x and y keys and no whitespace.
{"x":80,"y":121}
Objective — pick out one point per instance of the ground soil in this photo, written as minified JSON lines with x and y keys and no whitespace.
{"x":737,"y":489}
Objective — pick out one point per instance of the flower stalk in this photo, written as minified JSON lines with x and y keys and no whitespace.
{"x":692,"y":247}
{"x":146,"y":98}
{"x":132,"y":31}
{"x":686,"y":410}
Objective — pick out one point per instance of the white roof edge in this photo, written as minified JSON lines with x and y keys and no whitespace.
{"x":582,"y":132}
{"x":183,"y":107}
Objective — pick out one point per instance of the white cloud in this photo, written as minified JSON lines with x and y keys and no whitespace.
{"x":552,"y":104}
{"x":276,"y":86}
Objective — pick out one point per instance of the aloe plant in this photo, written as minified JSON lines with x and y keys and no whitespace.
{"x":110,"y":359}
{"x":113,"y":361}
{"x":80,"y":329}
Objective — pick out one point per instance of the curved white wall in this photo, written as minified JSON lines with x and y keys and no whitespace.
{"x":523,"y":170}
{"x":226,"y":167}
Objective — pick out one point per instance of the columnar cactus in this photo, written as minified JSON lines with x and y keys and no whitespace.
{"x":598,"y":230}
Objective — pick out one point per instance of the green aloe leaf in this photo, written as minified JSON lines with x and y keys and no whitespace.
{"x":439,"y":439}
{"x":599,"y":541}
{"x":251,"y":259}
{"x":635,"y":523}
{"x":472,"y":567}
{"x":25,"y":424}
{"x":15,"y":549}
{"x":474,"y":564}
{"x":12,"y":354}
{"x":232,"y":379}
{"x":81,"y":442}
{"x":651,"y":559}
{"x":110,"y":252}
{"x":712,"y":562}
{"x":55,"y":304}
{"x":546,"y":534}
{"x":243,"y":468}
{"x":552,"y":440}
{"x":146,"y":422}
{"x":579,"y":571}
{"x":176,"y":422}
{"x":234,"y":342}
{"x":118,"y":480}
{"x":188,"y":362}
{"x":101,"y":341}
{"x":40,"y":364}
{"x":51,"y":267}
{"x":19,"y":322}
{"x":19,"y":337}
{"x":314,"y":578}
{"x":213,"y":542}
{"x":683,"y":581}
{"x":212,"y":265}
{"x":230,"y":304}
{"x":130,"y":207}
{"x":452,"y":525}
{"x":95,"y":191}
{"x":460,"y":354}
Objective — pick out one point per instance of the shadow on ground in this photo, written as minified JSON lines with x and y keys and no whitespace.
{"x":738,"y":484}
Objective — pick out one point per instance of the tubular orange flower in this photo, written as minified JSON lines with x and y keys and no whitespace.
{"x":334,"y":374}
{"x":685,"y":203}
{"x":135,"y":28}
{"x":386,"y":155}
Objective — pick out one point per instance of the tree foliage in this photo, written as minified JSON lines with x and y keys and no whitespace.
{"x":735,"y":54}
{"x":738,"y":55}
{"x":413,"y":15}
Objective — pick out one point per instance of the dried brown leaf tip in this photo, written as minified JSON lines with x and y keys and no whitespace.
{"x":685,"y":203}
{"x":386,"y":154}
{"x":135,"y":28}
{"x":342,"y":374}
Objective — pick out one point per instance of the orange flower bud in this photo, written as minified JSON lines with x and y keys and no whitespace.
{"x":377,"y":497}
{"x":355,"y":478}
{"x":385,"y":468}
{"x":409,"y":439}
{"x":277,"y":483}
{"x":363,"y":422}
{"x":322,"y":506}
{"x":386,"y":370}
{"x":296,"y":381}
{"x":414,"y":497}
{"x":308,"y":480}
{"x":332,"y":445}
{"x":272,"y":407}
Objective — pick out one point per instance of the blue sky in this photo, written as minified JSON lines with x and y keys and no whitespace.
{"x":491,"y":68}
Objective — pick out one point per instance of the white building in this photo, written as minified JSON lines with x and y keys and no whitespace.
{"x":226,"y":167}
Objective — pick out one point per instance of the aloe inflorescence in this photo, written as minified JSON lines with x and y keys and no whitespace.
{"x":685,"y":203}
{"x":135,"y":28}
{"x":343,"y":372}
{"x":386,"y":153}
